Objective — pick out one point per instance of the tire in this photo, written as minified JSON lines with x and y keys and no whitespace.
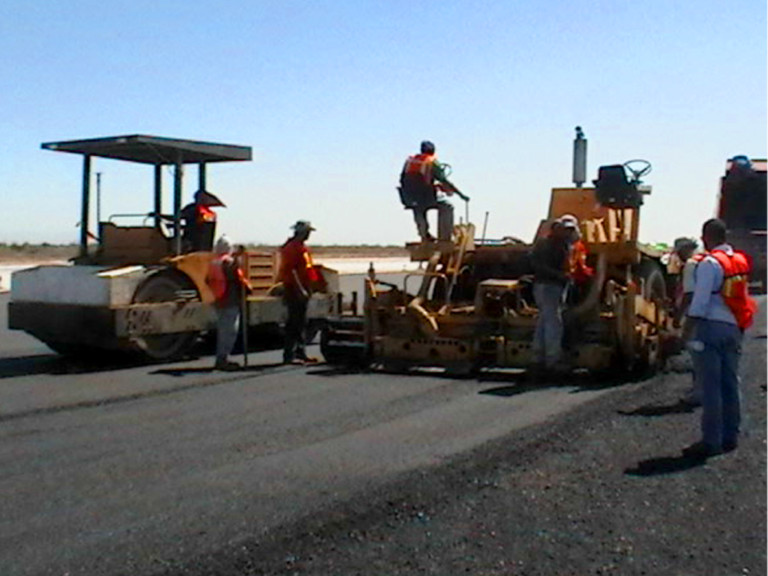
{"x":164,"y":287}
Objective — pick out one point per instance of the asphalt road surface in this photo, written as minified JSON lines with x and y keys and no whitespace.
{"x":125,"y":469}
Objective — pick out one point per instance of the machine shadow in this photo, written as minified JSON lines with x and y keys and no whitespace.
{"x":56,"y":365}
{"x":29,"y":365}
{"x":522,"y":382}
{"x":330,"y":370}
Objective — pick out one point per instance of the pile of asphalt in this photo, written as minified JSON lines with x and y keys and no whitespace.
{"x":602,"y":490}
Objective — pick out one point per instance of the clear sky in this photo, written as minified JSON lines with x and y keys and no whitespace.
{"x":333,"y":95}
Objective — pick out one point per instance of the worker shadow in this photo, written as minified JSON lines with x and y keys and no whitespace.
{"x":665,"y":465}
{"x":682,"y":406}
{"x":197,"y":370}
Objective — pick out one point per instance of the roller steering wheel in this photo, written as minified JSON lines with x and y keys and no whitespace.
{"x":638,"y":168}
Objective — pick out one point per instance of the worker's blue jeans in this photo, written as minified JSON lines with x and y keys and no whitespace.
{"x":444,"y":219}
{"x":227,"y":326}
{"x":716,"y":349}
{"x":548,"y":338}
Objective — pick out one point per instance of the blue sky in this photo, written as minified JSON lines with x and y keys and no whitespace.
{"x":332,"y":96}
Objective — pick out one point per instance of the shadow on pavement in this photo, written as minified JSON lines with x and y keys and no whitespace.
{"x":680,"y":407}
{"x":28,"y":365}
{"x":508,"y":391}
{"x":665,"y":465}
{"x":328,"y":370}
{"x":522,"y":382}
{"x":211,"y":370}
{"x":56,"y":365}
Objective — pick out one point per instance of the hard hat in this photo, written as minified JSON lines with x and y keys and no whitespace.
{"x":223,"y":245}
{"x":303,"y":225}
{"x":568,"y":221}
{"x":427,"y":147}
{"x":207,"y":199}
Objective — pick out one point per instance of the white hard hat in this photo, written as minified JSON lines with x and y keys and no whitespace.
{"x":223,"y":245}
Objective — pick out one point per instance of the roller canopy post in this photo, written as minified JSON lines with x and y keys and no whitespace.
{"x":84,"y":220}
{"x":201,"y":176}
{"x":178,"y":173}
{"x":158,"y":194}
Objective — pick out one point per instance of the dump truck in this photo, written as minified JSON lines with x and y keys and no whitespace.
{"x":133,"y":288}
{"x":471,"y":305}
{"x":742,"y":206}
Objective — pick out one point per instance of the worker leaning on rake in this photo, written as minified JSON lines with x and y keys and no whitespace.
{"x":420,"y":180}
{"x":228,"y":283}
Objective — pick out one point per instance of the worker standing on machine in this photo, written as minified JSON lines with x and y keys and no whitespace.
{"x":298,"y":275}
{"x":227,"y":282}
{"x":199,"y":228}
{"x":550,"y":262}
{"x":420,"y":180}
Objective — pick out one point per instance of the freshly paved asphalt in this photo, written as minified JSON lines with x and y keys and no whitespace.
{"x":121,"y":469}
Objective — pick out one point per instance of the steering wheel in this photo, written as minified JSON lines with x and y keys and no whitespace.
{"x":638,"y":168}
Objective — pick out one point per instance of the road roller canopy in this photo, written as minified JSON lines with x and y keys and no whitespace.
{"x":153,"y":149}
{"x":156,"y":152}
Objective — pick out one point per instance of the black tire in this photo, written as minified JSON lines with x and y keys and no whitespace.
{"x":164,"y":287}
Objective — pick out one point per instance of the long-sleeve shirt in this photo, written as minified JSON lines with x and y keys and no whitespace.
{"x":707,"y":302}
{"x":549,"y":260}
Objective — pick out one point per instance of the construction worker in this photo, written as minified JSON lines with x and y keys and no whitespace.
{"x":682,"y":267}
{"x":199,"y":227}
{"x":579,"y":271}
{"x":299,"y":277}
{"x":420,"y":180}
{"x":721,"y":309}
{"x":550,"y":262}
{"x":228,"y":284}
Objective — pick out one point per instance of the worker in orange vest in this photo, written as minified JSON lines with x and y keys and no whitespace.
{"x":721,"y":309}
{"x":229,"y":285}
{"x":299,"y":278}
{"x":199,"y":227}
{"x":420,"y":180}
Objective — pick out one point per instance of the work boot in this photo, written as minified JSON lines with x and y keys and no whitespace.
{"x":226,"y":366}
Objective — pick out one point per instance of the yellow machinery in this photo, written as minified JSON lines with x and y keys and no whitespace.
{"x":132,"y":287}
{"x":471,"y":306}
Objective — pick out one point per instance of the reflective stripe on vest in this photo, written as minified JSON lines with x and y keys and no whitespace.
{"x":205,"y":214}
{"x":735,"y":286}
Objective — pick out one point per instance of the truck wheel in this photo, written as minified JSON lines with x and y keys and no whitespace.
{"x":164,"y":287}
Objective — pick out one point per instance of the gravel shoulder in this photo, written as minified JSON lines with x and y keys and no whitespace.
{"x":602,"y":490}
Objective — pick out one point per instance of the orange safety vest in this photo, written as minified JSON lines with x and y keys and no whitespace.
{"x":577,"y":263}
{"x":420,"y":164}
{"x":216,"y":278}
{"x":735,"y":287}
{"x":205,"y":214}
